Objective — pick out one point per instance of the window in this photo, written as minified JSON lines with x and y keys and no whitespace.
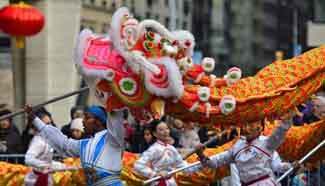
{"x":92,"y":2}
{"x":113,"y":5}
{"x":166,"y":2}
{"x":149,"y":3}
{"x":148,"y":14}
{"x":186,"y":7}
{"x":167,"y":21}
{"x":184,"y":25}
{"x":157,"y":17}
{"x":104,"y":3}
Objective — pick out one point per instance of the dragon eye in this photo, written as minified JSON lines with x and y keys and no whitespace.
{"x":188,"y":43}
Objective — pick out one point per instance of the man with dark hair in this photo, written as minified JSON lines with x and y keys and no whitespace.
{"x":10,"y":142}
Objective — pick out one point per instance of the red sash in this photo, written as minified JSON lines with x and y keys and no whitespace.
{"x":42,"y":179}
{"x":162,"y":181}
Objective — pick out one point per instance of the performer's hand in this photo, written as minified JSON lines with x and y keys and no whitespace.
{"x":163,"y":174}
{"x":295,"y":166}
{"x":199,"y":149}
{"x":287,"y":116}
{"x":29,"y":111}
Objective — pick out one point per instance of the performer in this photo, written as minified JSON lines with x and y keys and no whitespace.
{"x":252,"y":154}
{"x":39,"y":155}
{"x":161,"y":157}
{"x":101,"y":155}
{"x":277,"y":166}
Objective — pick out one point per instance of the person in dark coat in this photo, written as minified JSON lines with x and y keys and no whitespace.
{"x":10,"y":142}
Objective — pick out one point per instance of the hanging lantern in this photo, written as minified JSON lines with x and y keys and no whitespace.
{"x":21,"y":20}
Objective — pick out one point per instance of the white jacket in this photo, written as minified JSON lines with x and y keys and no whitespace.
{"x":39,"y":155}
{"x":253,"y":160}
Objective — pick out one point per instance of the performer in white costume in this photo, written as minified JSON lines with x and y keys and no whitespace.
{"x":161,"y":158}
{"x":277,"y":166}
{"x":252,"y":154}
{"x":101,"y":155}
{"x":39,"y":156}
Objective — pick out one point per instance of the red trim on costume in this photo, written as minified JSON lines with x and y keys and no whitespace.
{"x":244,"y":148}
{"x":256,"y":180}
{"x":162,"y":143}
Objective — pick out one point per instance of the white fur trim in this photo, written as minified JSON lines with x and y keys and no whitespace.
{"x":115,"y":30}
{"x":159,"y":28}
{"x":208,"y":64}
{"x":204,"y":94}
{"x":182,"y":36}
{"x":175,"y":87}
{"x":137,"y":57}
{"x":169,"y":48}
{"x":79,"y":50}
{"x":227,"y":104}
{"x":194,"y":106}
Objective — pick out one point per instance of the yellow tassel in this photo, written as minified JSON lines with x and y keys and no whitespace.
{"x":20,"y":42}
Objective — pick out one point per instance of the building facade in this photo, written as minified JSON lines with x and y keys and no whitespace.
{"x":248,"y":34}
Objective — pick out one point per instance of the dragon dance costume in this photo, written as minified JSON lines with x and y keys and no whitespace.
{"x":101,"y":156}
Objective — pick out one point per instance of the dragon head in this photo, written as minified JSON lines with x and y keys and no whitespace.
{"x":141,"y":65}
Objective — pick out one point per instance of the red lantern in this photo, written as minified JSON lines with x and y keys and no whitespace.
{"x":21,"y":20}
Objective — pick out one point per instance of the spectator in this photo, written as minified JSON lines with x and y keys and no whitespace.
{"x":137,"y":138}
{"x":175,"y":131}
{"x":311,"y":111}
{"x":10,"y":142}
{"x":189,"y":138}
{"x":77,"y":128}
{"x":148,"y":139}
{"x":75,"y":112}
{"x":319,"y":107}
